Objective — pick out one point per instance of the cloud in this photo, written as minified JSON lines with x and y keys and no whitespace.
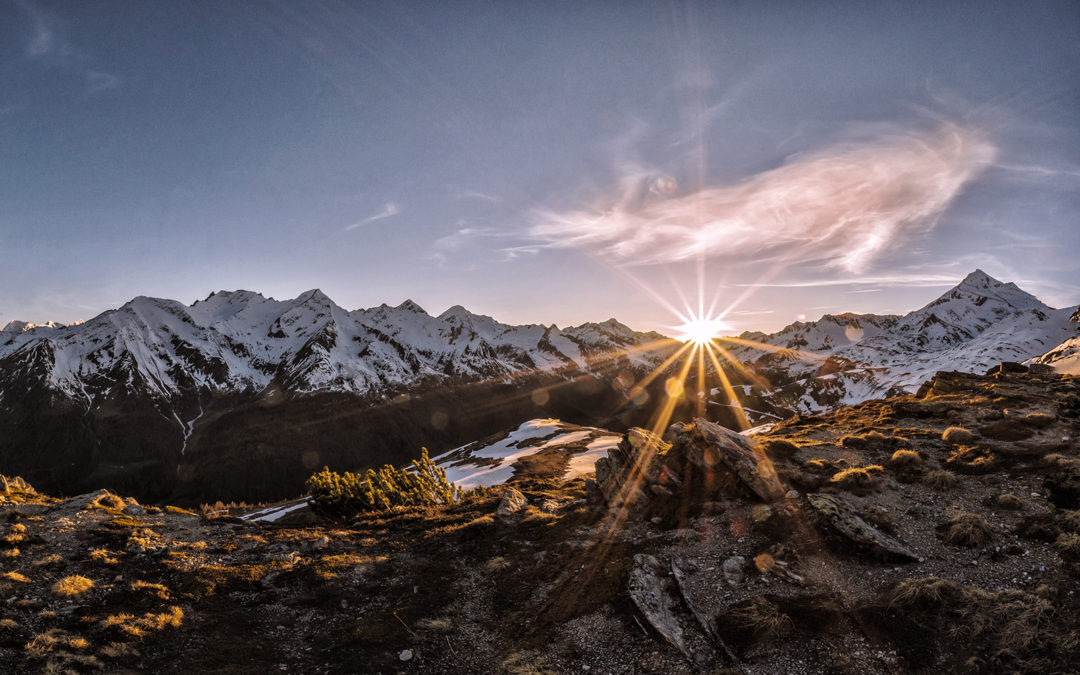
{"x":389,"y":210}
{"x":97,"y":81}
{"x":43,"y":38}
{"x":843,"y":207}
{"x":473,"y":194}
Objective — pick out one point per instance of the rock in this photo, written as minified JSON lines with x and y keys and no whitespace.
{"x":405,"y":655}
{"x":734,"y":570}
{"x":1007,"y":367}
{"x":652,"y":592}
{"x":629,"y":466}
{"x":845,"y":520}
{"x":705,"y":445}
{"x":549,"y":506}
{"x":512,"y":502}
{"x":319,"y":544}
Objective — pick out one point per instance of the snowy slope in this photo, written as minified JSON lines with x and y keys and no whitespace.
{"x":1064,"y":358}
{"x":240,"y":341}
{"x":976,"y":325}
{"x":492,"y":462}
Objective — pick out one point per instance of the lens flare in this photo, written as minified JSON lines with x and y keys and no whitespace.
{"x":700,"y":330}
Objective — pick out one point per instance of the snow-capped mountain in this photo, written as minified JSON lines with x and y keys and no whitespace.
{"x":243,"y":396}
{"x":977,"y":324}
{"x":241,"y":341}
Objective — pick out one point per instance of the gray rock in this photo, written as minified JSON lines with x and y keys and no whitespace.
{"x":652,"y":592}
{"x":512,"y":502}
{"x":845,"y":520}
{"x":734,"y":569}
{"x":405,"y":655}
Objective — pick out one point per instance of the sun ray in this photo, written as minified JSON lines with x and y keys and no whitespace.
{"x":743,"y":420}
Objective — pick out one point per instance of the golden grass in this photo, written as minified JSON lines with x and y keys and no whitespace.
{"x":158,"y":591}
{"x":140,"y":626}
{"x":102,"y":555}
{"x":15,"y":576}
{"x":51,"y":559}
{"x":72,"y":586}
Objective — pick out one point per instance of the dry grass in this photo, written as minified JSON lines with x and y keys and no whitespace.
{"x":925,"y":591}
{"x":967,"y":529}
{"x":1068,"y":545}
{"x":108,"y":502}
{"x":497,"y":564}
{"x":51,"y":559}
{"x":527,"y":662}
{"x":859,"y":478}
{"x":72,"y":586}
{"x":940,"y":480}
{"x":438,"y":625}
{"x":102,"y":555}
{"x":1038,"y":420}
{"x":8,"y":624}
{"x":139,"y":626}
{"x":957,"y":435}
{"x":15,"y":576}
{"x":10,"y":553}
{"x":1009,"y":501}
{"x":763,"y":617}
{"x":906,"y":460}
{"x":158,"y":591}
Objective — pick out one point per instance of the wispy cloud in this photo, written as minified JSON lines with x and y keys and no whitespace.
{"x":97,"y":81}
{"x":43,"y":40}
{"x":906,"y":280}
{"x":843,"y":207}
{"x":389,"y":210}
{"x":473,"y":194}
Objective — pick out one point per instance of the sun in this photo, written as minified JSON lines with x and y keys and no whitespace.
{"x":701,"y":330}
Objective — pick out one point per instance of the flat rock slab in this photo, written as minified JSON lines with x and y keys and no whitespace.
{"x":845,"y":520}
{"x":652,"y":590}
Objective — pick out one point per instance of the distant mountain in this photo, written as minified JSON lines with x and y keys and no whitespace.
{"x":152,"y":394}
{"x":848,"y":358}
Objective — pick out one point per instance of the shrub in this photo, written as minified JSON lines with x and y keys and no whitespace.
{"x":349,"y":494}
{"x":856,"y":478}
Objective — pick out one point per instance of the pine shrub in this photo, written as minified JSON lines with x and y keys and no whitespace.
{"x":342,"y":495}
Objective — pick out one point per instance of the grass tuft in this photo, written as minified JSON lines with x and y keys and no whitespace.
{"x":72,"y":586}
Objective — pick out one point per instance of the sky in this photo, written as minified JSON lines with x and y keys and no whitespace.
{"x":547,"y":162}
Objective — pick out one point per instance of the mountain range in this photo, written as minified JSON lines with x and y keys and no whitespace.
{"x":241,"y":396}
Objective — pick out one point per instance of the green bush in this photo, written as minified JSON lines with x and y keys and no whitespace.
{"x":341,"y":495}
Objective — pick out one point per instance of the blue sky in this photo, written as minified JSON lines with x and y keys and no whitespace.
{"x":538,"y":162}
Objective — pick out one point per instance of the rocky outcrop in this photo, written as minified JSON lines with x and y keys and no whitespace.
{"x":698,"y":461}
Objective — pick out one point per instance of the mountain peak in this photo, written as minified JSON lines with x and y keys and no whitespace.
{"x":980,"y":279}
{"x":411,"y":306}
